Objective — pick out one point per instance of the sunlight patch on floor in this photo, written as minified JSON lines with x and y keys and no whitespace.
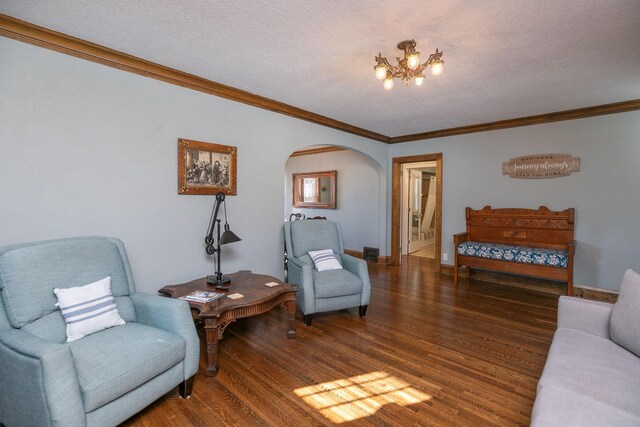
{"x":361,"y":396}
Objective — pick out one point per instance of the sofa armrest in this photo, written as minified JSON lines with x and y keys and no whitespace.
{"x":358,"y":267}
{"x":39,"y":382}
{"x":584,"y":315}
{"x":171,"y":315}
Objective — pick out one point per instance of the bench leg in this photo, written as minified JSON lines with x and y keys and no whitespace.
{"x":455,"y":275}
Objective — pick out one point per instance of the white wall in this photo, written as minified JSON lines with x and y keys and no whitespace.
{"x":359,"y":206}
{"x":90,"y":150}
{"x":605,"y":193}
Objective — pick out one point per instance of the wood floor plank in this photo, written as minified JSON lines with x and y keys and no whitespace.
{"x":426,"y":354}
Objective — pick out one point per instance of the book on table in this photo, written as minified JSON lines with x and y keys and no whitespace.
{"x":202,"y":296}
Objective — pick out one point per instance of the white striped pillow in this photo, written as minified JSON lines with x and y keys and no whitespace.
{"x":325,"y":260}
{"x":88,"y":309}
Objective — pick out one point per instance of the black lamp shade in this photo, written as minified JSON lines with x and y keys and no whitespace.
{"x":228,"y":236}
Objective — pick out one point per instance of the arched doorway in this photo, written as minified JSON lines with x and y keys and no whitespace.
{"x":360,"y":204}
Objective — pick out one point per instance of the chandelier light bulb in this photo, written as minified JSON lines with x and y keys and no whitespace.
{"x":436,"y":68}
{"x":419,"y":80}
{"x":413,"y":60}
{"x":388,"y":83}
{"x":381,"y":72}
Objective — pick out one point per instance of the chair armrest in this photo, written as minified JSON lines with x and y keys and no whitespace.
{"x":358,"y":267}
{"x":301,"y":274}
{"x":584,"y":315}
{"x":171,"y":315}
{"x":39,"y":382}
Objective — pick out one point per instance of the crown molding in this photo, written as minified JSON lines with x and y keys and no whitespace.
{"x":578,"y":113}
{"x":316,"y":151}
{"x":39,"y":36}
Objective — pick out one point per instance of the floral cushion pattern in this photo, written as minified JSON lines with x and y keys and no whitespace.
{"x":523,"y":254}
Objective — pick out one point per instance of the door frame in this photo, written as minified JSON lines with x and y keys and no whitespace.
{"x":396,"y":194}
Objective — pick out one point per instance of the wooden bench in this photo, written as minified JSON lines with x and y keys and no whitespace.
{"x":533,"y":242}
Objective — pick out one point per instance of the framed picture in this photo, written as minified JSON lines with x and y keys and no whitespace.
{"x":205,"y":168}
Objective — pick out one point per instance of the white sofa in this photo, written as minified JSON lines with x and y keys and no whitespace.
{"x":588,"y":379}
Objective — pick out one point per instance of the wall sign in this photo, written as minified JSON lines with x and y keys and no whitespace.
{"x":541,"y":166}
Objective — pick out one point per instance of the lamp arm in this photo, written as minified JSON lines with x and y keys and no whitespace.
{"x":433,"y":57}
{"x":209,"y":239}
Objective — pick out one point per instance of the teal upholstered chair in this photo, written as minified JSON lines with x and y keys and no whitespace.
{"x":103,"y":378}
{"x":326,"y":290}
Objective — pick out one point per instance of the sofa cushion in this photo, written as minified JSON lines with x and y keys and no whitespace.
{"x":594,"y":367}
{"x":523,"y":254}
{"x":558,"y":406}
{"x":335,"y":283}
{"x":625,"y":315}
{"x":115,"y":361}
{"x":30,"y":272}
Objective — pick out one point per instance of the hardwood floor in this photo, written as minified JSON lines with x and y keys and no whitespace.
{"x":426,"y":354}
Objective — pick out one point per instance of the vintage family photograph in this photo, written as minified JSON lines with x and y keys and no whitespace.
{"x":206,"y":168}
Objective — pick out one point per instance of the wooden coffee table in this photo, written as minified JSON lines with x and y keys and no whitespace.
{"x":218,"y":314}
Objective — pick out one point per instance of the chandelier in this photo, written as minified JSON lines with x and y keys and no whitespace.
{"x":409,"y":67}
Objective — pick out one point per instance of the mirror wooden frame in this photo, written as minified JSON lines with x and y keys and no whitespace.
{"x":298,"y":190}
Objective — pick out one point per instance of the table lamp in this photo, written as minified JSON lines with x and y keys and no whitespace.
{"x":213,"y":244}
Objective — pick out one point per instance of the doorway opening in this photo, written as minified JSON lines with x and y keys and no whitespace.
{"x":416,"y":211}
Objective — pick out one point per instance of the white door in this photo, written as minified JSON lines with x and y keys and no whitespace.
{"x":415,"y":210}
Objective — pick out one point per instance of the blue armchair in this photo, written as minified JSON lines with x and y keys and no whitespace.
{"x":321,"y":291}
{"x":103,"y":378}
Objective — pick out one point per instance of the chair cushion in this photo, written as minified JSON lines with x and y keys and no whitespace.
{"x":115,"y":361}
{"x":624,"y":327}
{"x":313,"y":235}
{"x":335,"y":283}
{"x":30,"y":272}
{"x":595,"y":367}
{"x":523,"y":254}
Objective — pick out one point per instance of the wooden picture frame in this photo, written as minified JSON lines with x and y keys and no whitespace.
{"x":321,"y":190}
{"x":206,"y":168}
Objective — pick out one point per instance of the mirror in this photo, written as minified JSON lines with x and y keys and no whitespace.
{"x":314,"y":190}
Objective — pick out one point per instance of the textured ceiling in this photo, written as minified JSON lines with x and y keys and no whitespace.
{"x":503,"y":58}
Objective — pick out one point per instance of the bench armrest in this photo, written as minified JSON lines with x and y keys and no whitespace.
{"x":459,"y":238}
{"x":584,"y":315}
{"x":39,"y":382}
{"x":171,"y":315}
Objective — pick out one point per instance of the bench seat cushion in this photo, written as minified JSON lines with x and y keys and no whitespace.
{"x":522,"y":254}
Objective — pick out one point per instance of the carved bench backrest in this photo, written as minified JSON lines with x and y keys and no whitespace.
{"x":540,"y":228}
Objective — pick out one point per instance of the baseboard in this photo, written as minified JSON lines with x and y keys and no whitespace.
{"x":597,"y":294}
{"x":357,"y":254}
{"x":581,"y":291}
{"x":382,"y":259}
